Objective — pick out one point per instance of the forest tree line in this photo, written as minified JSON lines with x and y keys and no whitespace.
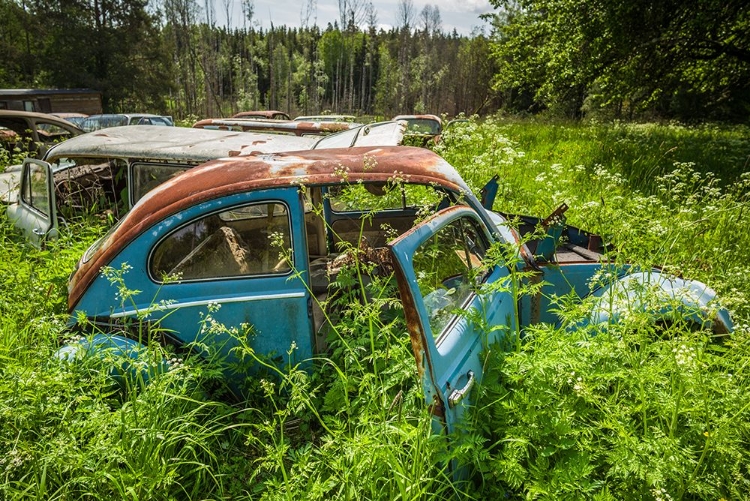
{"x":682,"y":59}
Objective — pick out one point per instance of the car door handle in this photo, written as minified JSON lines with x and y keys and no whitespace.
{"x":38,"y":232}
{"x":457,"y":395}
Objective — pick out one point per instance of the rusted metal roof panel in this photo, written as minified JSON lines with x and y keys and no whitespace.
{"x":277,"y":126}
{"x":173,"y":143}
{"x":267,"y":114}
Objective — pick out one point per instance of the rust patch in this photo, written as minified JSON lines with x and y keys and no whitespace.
{"x":277,"y":126}
{"x":556,"y":217}
{"x":417,"y":337}
{"x":436,"y":408}
{"x":416,"y":334}
{"x":595,"y":243}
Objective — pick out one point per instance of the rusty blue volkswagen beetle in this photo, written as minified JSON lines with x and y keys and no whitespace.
{"x":256,"y":235}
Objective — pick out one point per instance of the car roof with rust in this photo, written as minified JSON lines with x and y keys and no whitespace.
{"x":34,"y":117}
{"x":325,"y":118}
{"x":292,"y":127}
{"x":172,"y":144}
{"x":269,"y":114}
{"x":227,"y":176}
{"x":418,"y":117}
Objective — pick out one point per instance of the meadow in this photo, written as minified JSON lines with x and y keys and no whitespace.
{"x":633,"y":412}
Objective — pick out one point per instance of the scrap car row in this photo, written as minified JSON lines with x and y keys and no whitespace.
{"x":252,"y":221}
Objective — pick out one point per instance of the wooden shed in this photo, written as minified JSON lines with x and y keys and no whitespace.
{"x":86,"y":101}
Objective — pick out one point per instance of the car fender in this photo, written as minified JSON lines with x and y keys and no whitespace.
{"x":127,"y":359}
{"x":663,"y":297}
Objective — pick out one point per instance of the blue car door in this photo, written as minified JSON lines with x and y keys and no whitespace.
{"x":237,"y":262}
{"x":456,"y":305}
{"x":35,"y":212}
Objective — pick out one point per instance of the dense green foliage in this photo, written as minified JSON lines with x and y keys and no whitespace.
{"x":172,"y":57}
{"x":635,"y":412}
{"x":629,"y":413}
{"x":689,"y":59}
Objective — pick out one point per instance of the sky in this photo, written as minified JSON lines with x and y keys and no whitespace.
{"x":461,"y":15}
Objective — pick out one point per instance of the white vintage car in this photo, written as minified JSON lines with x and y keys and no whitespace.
{"x":109,"y":170}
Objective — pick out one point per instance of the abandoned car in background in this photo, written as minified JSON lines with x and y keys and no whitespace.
{"x":104,"y":121}
{"x":325,"y":118}
{"x":35,"y":132}
{"x":110,"y":170}
{"x":291,"y":127}
{"x":256,"y":239}
{"x":422,"y":130}
{"x":262,"y":115}
{"x":72,"y":117}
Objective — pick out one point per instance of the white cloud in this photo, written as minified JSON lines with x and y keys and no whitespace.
{"x":473,"y":6}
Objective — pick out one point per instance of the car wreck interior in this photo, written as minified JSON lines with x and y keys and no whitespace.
{"x":92,"y":186}
{"x":252,"y":239}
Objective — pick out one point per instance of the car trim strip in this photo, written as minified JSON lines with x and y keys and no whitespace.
{"x":187,"y":304}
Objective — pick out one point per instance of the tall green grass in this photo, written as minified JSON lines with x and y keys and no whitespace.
{"x":686,"y":213}
{"x":629,"y":413}
{"x":354,"y":428}
{"x":635,"y":412}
